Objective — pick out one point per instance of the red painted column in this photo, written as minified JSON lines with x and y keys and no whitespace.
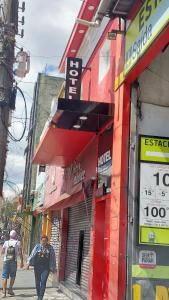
{"x":100,"y":246}
{"x":118,"y":206}
{"x":63,"y":244}
{"x":107,"y":246}
{"x":92,"y":242}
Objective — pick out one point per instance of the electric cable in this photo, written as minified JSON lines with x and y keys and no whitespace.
{"x":12,"y":182}
{"x":25,"y":123}
{"x":10,"y":185}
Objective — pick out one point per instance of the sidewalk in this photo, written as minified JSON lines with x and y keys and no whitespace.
{"x":24,"y":288}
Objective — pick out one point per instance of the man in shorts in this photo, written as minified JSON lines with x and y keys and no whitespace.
{"x":11,"y":249}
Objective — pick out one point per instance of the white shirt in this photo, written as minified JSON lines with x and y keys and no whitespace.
{"x":16,"y":244}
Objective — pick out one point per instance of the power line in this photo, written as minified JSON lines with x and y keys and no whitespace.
{"x":25,"y":121}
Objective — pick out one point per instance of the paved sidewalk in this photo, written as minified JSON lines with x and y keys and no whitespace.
{"x":51,"y":294}
{"x":24,"y":288}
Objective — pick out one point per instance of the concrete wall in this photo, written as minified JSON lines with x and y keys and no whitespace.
{"x":48,"y":87}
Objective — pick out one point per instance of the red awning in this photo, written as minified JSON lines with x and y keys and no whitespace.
{"x":61,"y":146}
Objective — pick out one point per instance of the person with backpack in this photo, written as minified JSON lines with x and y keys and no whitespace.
{"x":43,"y":259}
{"x":11,"y":250}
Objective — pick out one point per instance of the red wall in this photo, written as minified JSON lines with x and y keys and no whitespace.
{"x":60,"y":182}
{"x":91,"y":88}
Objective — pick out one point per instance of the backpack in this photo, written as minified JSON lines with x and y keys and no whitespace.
{"x":10,"y":254}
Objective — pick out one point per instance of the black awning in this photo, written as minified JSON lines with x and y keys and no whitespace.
{"x":120,"y":7}
{"x":82,"y":115}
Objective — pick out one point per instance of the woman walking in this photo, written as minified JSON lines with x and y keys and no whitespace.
{"x":42,"y":258}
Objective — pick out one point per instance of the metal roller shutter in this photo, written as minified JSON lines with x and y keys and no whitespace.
{"x":55,"y":236}
{"x":79,"y":220}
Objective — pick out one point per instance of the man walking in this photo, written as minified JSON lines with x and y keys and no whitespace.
{"x":43,"y":260}
{"x":11,"y":249}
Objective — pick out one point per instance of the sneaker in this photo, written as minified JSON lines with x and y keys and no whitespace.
{"x":3,"y":295}
{"x":10,"y":292}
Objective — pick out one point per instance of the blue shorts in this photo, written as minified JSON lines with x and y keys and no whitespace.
{"x":9,"y":269}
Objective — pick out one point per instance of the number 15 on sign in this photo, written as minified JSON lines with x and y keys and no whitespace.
{"x":154,"y":195}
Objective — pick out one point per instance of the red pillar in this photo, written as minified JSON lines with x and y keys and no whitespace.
{"x":118,"y":206}
{"x":99,"y":266}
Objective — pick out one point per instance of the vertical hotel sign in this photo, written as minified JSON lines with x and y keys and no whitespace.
{"x":154,"y":191}
{"x":73,"y":78}
{"x":147,"y":25}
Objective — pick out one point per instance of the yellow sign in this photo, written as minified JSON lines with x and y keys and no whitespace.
{"x":161,"y":292}
{"x":159,"y":272}
{"x":154,"y":149}
{"x":154,"y":191}
{"x":160,"y":236}
{"x":148,"y":23}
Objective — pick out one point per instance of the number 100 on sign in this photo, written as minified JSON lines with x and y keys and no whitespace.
{"x":154,"y":195}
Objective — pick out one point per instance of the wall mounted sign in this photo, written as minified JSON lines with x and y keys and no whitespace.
{"x":147,"y":259}
{"x":76,"y":172}
{"x":104,"y":168}
{"x":154,"y":190}
{"x":73,"y":78}
{"x":147,"y":25}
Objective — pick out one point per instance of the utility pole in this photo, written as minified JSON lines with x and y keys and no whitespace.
{"x":8,"y":30}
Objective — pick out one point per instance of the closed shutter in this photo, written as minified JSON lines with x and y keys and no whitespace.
{"x":55,"y":236}
{"x":79,"y":221}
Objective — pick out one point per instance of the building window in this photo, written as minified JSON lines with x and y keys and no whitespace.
{"x":42,"y":168}
{"x":104,"y":60}
{"x":80,"y":257}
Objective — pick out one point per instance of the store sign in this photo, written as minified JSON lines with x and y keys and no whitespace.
{"x":155,"y":149}
{"x":147,"y":25}
{"x":104,"y":168}
{"x":154,"y":191}
{"x":76,"y":172}
{"x":73,"y":78}
{"x":147,"y":259}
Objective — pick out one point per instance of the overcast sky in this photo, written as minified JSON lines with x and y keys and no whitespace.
{"x":48,"y":25}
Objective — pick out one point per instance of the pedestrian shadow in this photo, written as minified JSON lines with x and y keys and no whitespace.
{"x":23,"y":296}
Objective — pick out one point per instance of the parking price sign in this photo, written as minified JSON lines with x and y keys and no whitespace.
{"x":154,"y":203}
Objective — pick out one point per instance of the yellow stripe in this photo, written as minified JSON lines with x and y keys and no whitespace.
{"x":159,"y":272}
{"x":119,"y":80}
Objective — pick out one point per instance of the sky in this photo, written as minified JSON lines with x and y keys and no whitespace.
{"x":48,"y":25}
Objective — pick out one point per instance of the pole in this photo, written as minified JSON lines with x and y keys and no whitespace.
{"x":8,"y":30}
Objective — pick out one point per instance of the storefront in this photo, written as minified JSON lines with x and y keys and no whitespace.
{"x":145,"y":74}
{"x":74,"y":190}
{"x":75,"y":196}
{"x":78,"y":247}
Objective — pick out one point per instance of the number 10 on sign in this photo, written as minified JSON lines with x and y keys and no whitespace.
{"x":154,"y":195}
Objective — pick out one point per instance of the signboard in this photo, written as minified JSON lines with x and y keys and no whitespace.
{"x":104,"y":169}
{"x":155,"y":149}
{"x":73,"y":78}
{"x":154,"y":191}
{"x":147,"y":25}
{"x":147,"y":259}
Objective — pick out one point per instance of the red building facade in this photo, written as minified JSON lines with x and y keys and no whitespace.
{"x":98,"y":209}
